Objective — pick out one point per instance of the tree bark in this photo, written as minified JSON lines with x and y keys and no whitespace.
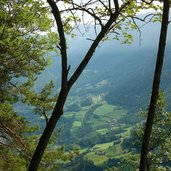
{"x":155,"y":87}
{"x":44,"y":139}
{"x":67,"y":84}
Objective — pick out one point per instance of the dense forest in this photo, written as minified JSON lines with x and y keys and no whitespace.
{"x":85,"y":85}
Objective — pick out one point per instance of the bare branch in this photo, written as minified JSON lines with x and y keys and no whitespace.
{"x":94,"y":45}
{"x":110,"y":8}
{"x":4,"y":144}
{"x":76,"y":23}
{"x":12,"y":133}
{"x":104,"y":5}
{"x":137,"y":27}
{"x":146,"y":2}
{"x":143,"y":19}
{"x":45,"y":116}
{"x":116,"y":5}
{"x":90,"y":39}
{"x":89,"y":11}
{"x":91,"y":2}
{"x":12,"y":84}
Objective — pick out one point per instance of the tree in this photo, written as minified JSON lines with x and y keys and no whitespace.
{"x":155,"y":87}
{"x":109,"y":16}
{"x":22,"y":57}
{"x":159,"y":145}
{"x":22,"y":47}
{"x":14,"y":152}
{"x":42,"y":102}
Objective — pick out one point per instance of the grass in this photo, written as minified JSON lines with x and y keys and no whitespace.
{"x":77,"y":124}
{"x":126,"y":133}
{"x":97,"y":160}
{"x":83,"y":150}
{"x":104,"y":109}
{"x":102,"y":131}
{"x":110,"y":151}
{"x":68,"y":115}
{"x":78,"y":115}
{"x":107,"y":115}
{"x":102,"y":119}
{"x":103,"y":146}
{"x":118,"y":148}
{"x":109,"y":112}
{"x":98,"y":124}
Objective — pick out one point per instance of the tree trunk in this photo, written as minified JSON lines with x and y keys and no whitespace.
{"x":44,"y":139}
{"x":155,"y":88}
{"x":67,"y":84}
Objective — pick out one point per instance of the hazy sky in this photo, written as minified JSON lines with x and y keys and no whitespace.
{"x":87,"y":18}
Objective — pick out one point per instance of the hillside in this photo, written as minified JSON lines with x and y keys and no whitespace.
{"x":124,"y":77}
{"x":104,"y":103}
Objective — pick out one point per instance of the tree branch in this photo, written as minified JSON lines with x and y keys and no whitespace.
{"x":78,"y":7}
{"x":116,"y":5}
{"x":94,"y":45}
{"x":110,"y":8}
{"x":62,"y":43}
{"x":12,"y":133}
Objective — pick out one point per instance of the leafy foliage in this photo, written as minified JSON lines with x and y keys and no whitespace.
{"x":43,"y":101}
{"x":159,"y":150}
{"x":13,"y":142}
{"x":21,"y":44}
{"x":23,"y":55}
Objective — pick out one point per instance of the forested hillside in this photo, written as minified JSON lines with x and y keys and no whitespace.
{"x":108,"y":97}
{"x":80,"y":88}
{"x":124,"y":77}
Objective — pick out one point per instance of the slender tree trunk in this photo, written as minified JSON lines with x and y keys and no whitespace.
{"x":67,"y":84}
{"x":44,"y":139}
{"x":58,"y":110}
{"x":155,"y":88}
